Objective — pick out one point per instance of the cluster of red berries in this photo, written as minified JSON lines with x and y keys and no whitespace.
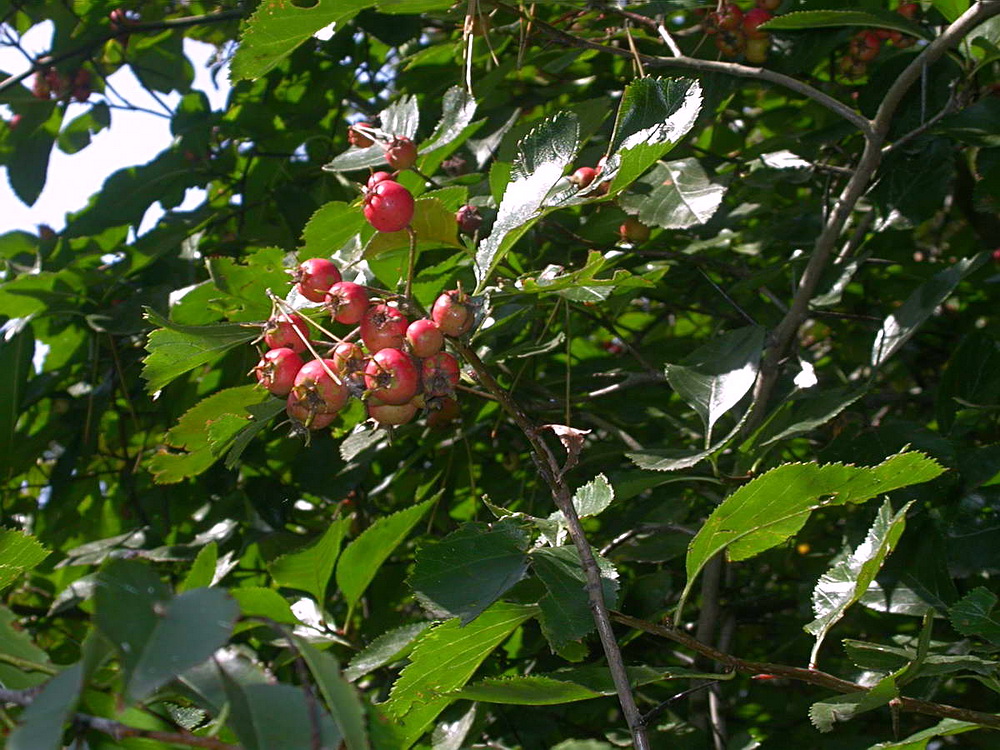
{"x":400,"y":152}
{"x":398,"y":368}
{"x":49,"y":83}
{"x":631,"y":230}
{"x":866,"y":44}
{"x":736,"y":33}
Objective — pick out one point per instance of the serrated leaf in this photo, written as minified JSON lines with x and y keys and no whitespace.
{"x":467,"y":571}
{"x":714,"y":378}
{"x":176,"y":349}
{"x":387,"y":648}
{"x":825,"y":19}
{"x":443,"y":661}
{"x":19,"y":553}
{"x":15,"y":642}
{"x":879,"y":657}
{"x":847,"y":581}
{"x":457,"y":110}
{"x":542,"y":157}
{"x":310,"y":569}
{"x":769,"y":509}
{"x":261,"y":415}
{"x":400,"y":119}
{"x":654,"y":114}
{"x":276,"y":28}
{"x":363,"y":557}
{"x":204,"y":433}
{"x":674,"y":459}
{"x":329,"y":228}
{"x":566,"y":614}
{"x":341,"y":697}
{"x":433,"y":224}
{"x":202,"y":570}
{"x":674,"y":195}
{"x":247,"y":282}
{"x":583,"y":284}
{"x":919,"y":740}
{"x":973,"y":615}
{"x":257,"y":601}
{"x":805,"y":413}
{"x":824,"y":714}
{"x":902,"y":324}
{"x":157,"y":636}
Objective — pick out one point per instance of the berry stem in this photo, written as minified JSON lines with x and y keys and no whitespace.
{"x":288,"y":309}
{"x":411,"y":263}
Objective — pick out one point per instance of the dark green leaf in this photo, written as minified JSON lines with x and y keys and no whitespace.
{"x":566,"y":614}
{"x":310,"y":569}
{"x":274,"y":717}
{"x":387,"y":648}
{"x":824,"y":19}
{"x":973,"y":615}
{"x":24,"y":655}
{"x":341,"y":697}
{"x":16,"y":353}
{"x":919,"y":740}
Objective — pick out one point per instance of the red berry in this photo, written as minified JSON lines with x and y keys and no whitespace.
{"x":441,"y":412}
{"x":634,"y":231}
{"x":909,"y":10}
{"x":277,"y":369}
{"x":347,"y":302}
{"x":583,"y":176}
{"x":865,"y":46}
{"x":383,"y":327}
{"x":440,"y":374}
{"x":280,"y":331}
{"x":401,"y":153}
{"x":769,"y":4}
{"x":316,"y":397}
{"x":392,"y":376}
{"x":424,"y":337}
{"x":729,"y":17}
{"x":754,"y":18}
{"x":358,"y":139}
{"x":452,"y":313}
{"x":390,"y":414}
{"x":315,"y":276}
{"x":40,"y":88}
{"x":468,"y":219}
{"x":299,"y":410}
{"x":14,"y":122}
{"x":996,"y":255}
{"x":378,"y":177}
{"x":388,"y":206}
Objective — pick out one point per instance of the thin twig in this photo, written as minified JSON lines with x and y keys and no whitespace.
{"x":544,"y":463}
{"x":800,"y":674}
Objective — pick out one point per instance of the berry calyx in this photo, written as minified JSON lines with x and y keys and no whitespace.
{"x":453,"y":313}
{"x":583,"y":176}
{"x":347,"y":302}
{"x":277,"y":369}
{"x":401,"y":153}
{"x":389,"y":206}
{"x":280,"y":331}
{"x":424,"y":337}
{"x":383,"y":327}
{"x":634,"y":231}
{"x":391,"y":376}
{"x":468,"y":219}
{"x":315,"y":276}
{"x":440,"y":374}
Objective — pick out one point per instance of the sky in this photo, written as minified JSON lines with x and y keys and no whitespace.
{"x":133,"y":138}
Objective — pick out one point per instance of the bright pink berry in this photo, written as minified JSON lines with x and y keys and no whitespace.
{"x":378,"y":177}
{"x":452,"y":313}
{"x":389,"y":206}
{"x":277,"y":369}
{"x":440,"y":374}
{"x":401,"y":153}
{"x":315,"y":276}
{"x":424,"y":337}
{"x":392,"y":376}
{"x":286,"y":330}
{"x":583,"y":176}
{"x":347,"y":302}
{"x":383,"y":327}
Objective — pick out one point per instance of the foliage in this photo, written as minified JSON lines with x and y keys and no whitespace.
{"x":772,"y":425}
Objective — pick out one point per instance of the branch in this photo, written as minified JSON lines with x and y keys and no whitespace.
{"x":809,"y":676}
{"x":83,"y":50}
{"x":117,"y":730}
{"x":703,"y":66}
{"x":875,"y":137}
{"x":544,"y":463}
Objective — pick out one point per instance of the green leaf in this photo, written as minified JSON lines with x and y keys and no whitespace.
{"x":566,"y":613}
{"x":274,"y":717}
{"x":276,"y":28}
{"x":654,"y":115}
{"x":542,"y":157}
{"x":260,"y":416}
{"x":442,"y":662}
{"x":903,"y":323}
{"x":973,"y":615}
{"x":674,"y":195}
{"x":825,"y":19}
{"x":364,"y":556}
{"x":594,"y":497}
{"x":158,"y":637}
{"x":19,"y":553}
{"x":467,"y":571}
{"x":16,"y":353}
{"x":804,"y":413}
{"x":674,"y":459}
{"x":881,"y":658}
{"x":202,"y":570}
{"x":400,"y":119}
{"x":329,"y":228}
{"x":176,"y":349}
{"x":433,"y":224}
{"x":389,"y":647}
{"x":26,"y":174}
{"x":846,"y":582}
{"x":919,"y":740}
{"x":247,"y":282}
{"x":951,"y":9}
{"x":204,"y":433}
{"x":583,"y":285}
{"x":824,"y":714}
{"x":256,"y":601}
{"x":310,"y":569}
{"x":457,"y":111}
{"x":341,"y":697}
{"x":971,"y":377}
{"x":18,"y":671}
{"x":714,"y":378}
{"x":769,"y":509}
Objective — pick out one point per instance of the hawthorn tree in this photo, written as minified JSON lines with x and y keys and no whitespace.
{"x":693,"y":442}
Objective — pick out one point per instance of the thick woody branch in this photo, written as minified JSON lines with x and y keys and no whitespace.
{"x":800,"y":674}
{"x":548,"y":470}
